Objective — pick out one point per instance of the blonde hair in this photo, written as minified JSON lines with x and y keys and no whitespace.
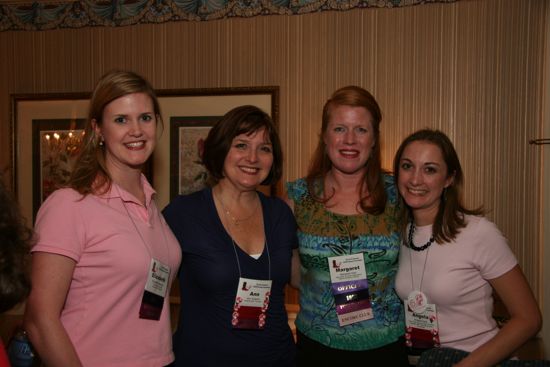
{"x":90,"y":174}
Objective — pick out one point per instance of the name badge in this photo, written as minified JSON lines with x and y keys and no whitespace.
{"x":251,"y":304}
{"x":422,"y":327}
{"x":350,"y":288}
{"x":155,"y":291}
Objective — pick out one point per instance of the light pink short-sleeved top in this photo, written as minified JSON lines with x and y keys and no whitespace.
{"x":456,"y":279}
{"x":112,"y":238}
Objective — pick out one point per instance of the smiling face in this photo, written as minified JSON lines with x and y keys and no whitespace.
{"x":128,"y":130}
{"x":423,"y":175}
{"x":248,"y":161}
{"x":349,"y":139}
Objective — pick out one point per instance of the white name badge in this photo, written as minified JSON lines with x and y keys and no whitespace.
{"x":251,"y":304}
{"x":156,"y":286}
{"x":158,"y":279}
{"x":350,"y":288}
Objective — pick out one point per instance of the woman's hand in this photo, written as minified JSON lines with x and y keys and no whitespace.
{"x":525,"y":321}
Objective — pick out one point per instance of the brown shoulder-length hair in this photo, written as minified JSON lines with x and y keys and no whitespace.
{"x":240,"y":120}
{"x":15,"y":243}
{"x":89,"y":172}
{"x":450,"y":216}
{"x":320,"y":163}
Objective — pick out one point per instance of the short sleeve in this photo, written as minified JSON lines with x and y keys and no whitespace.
{"x":493,"y":255}
{"x":59,"y":225}
{"x":172,"y":215}
{"x":391,"y":189}
{"x":296,"y":189}
{"x":192,"y":218}
{"x":287,"y":222}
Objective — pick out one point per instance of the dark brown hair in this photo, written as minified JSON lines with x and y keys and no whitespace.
{"x":90,"y":173}
{"x":450,"y":216}
{"x":240,"y":120}
{"x":320,"y":163}
{"x":15,"y":242}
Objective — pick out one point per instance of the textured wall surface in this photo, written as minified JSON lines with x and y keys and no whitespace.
{"x":473,"y":68}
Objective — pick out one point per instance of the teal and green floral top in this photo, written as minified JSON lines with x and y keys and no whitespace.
{"x":323,"y":234}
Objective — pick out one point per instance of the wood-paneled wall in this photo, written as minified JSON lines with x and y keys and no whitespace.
{"x":473,"y":68}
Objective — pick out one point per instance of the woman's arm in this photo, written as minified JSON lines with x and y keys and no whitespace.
{"x":295,"y":269}
{"x":295,"y":264}
{"x":525,"y":321}
{"x":51,"y":278}
{"x":288,"y":201}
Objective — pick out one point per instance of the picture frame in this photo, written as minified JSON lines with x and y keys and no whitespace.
{"x":183,"y":109}
{"x":55,"y":145}
{"x":187,"y":134}
{"x":50,"y":112}
{"x":61,"y":109}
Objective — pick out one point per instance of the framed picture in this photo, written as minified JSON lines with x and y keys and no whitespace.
{"x":43,"y":125}
{"x":190,"y":113}
{"x":37,"y":169}
{"x":187,"y":135}
{"x":55,"y":146}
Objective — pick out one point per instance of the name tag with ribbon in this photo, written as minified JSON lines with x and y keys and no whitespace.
{"x":422,"y":327}
{"x":155,"y":291}
{"x":350,"y":288}
{"x":251,"y":304}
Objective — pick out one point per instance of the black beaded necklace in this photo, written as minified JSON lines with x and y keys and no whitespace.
{"x":411,"y":245}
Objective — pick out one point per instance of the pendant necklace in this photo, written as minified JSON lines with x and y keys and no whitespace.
{"x":237,"y":221}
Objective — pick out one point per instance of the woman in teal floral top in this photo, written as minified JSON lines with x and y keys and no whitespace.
{"x":345,"y":208}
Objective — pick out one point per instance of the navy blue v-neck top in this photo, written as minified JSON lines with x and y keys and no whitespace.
{"x":209,"y":277}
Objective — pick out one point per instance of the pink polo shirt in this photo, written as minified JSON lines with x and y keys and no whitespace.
{"x":113,"y":252}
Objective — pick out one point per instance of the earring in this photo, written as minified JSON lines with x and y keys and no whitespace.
{"x":101,"y":142}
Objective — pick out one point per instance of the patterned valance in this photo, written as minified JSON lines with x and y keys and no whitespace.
{"x":51,"y":14}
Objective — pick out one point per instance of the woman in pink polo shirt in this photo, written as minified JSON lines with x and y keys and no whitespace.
{"x":105,"y":258}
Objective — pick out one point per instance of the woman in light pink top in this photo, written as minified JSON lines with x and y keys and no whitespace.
{"x":452,"y":258}
{"x":105,"y":258}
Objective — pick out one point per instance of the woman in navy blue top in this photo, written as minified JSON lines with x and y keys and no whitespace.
{"x":237,"y":246}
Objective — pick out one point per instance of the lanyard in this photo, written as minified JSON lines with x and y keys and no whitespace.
{"x":411,"y":265}
{"x":239,"y":263}
{"x":138,"y":231}
{"x":226,"y":214}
